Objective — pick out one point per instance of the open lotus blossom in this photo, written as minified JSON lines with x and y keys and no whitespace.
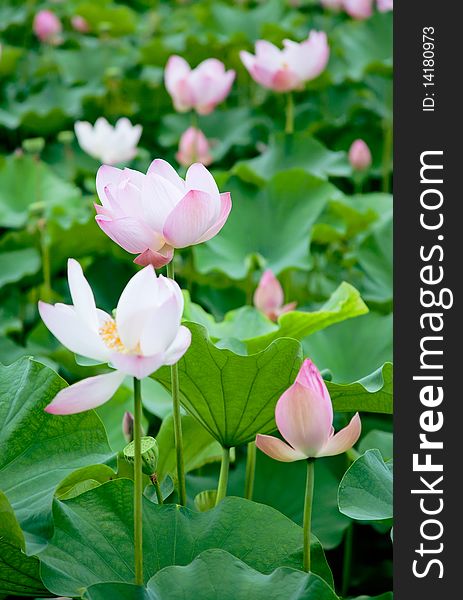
{"x":193,"y":147}
{"x":287,"y":69}
{"x":47,"y":27}
{"x":304,"y":417}
{"x":144,"y":334}
{"x":359,"y":9}
{"x":108,"y":144}
{"x":385,"y":5}
{"x":201,"y":88}
{"x":269,"y":297}
{"x":151,"y":215}
{"x":359,"y":156}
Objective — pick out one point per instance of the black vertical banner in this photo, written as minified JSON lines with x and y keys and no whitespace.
{"x":428,"y":251}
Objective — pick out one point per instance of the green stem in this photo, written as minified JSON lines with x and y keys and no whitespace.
{"x":347,"y":560}
{"x":177,"y":417}
{"x":194,"y":119}
{"x":289,"y":128}
{"x":308,"y":511}
{"x":387,"y":154}
{"x":358,"y":183}
{"x":157,"y":488}
{"x":223,"y":477}
{"x":250,"y":470}
{"x":46,"y":270}
{"x":138,"y":483}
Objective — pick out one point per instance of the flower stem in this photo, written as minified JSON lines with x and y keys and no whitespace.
{"x":46,"y":270}
{"x":308,"y":511}
{"x":177,"y":416}
{"x":250,"y":470}
{"x":138,"y":483}
{"x":223,"y":477}
{"x":157,"y":488}
{"x":289,"y":128}
{"x":347,"y":560}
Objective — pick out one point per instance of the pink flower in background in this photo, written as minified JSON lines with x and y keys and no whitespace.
{"x":201,"y":88}
{"x":287,"y":69}
{"x":193,"y":147}
{"x":385,"y":5}
{"x":269,"y":298}
{"x":47,"y":27}
{"x":360,"y":156}
{"x":359,"y":9}
{"x":332,"y":4}
{"x":144,"y":335}
{"x":108,"y":144}
{"x":151,"y":215}
{"x":79,"y":24}
{"x":304,"y":417}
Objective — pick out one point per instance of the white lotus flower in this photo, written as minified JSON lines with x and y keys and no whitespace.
{"x":144,"y":334}
{"x":110,"y":145}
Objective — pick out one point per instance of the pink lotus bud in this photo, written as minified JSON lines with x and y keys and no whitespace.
{"x":152,"y":214}
{"x":385,"y":5}
{"x":304,"y":417}
{"x":127,"y":426}
{"x":193,"y":147}
{"x":287,"y":69}
{"x":359,"y":156}
{"x":359,"y":9}
{"x":47,"y":27}
{"x":332,"y":4}
{"x":200,"y":89}
{"x":269,"y":298}
{"x":80,"y":24}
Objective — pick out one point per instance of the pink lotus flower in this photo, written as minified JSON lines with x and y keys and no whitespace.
{"x":151,"y":215}
{"x":287,"y":69}
{"x":110,"y":145}
{"x":47,"y":27}
{"x":193,"y":147}
{"x":385,"y":5}
{"x":201,"y":88}
{"x":144,"y":335}
{"x":269,"y":297}
{"x":359,"y":9}
{"x":79,"y":24}
{"x":360,"y":156}
{"x":304,"y":417}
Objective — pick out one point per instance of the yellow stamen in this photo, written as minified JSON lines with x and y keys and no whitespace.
{"x":110,"y":336}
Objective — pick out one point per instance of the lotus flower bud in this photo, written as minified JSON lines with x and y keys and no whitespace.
{"x":127,"y":426}
{"x":47,"y":27}
{"x":269,"y":297}
{"x":149,"y":454}
{"x":193,"y":147}
{"x":80,"y":24}
{"x":359,"y":9}
{"x":360,"y":156}
{"x":304,"y":417}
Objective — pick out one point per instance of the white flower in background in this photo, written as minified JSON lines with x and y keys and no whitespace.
{"x":110,"y":145}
